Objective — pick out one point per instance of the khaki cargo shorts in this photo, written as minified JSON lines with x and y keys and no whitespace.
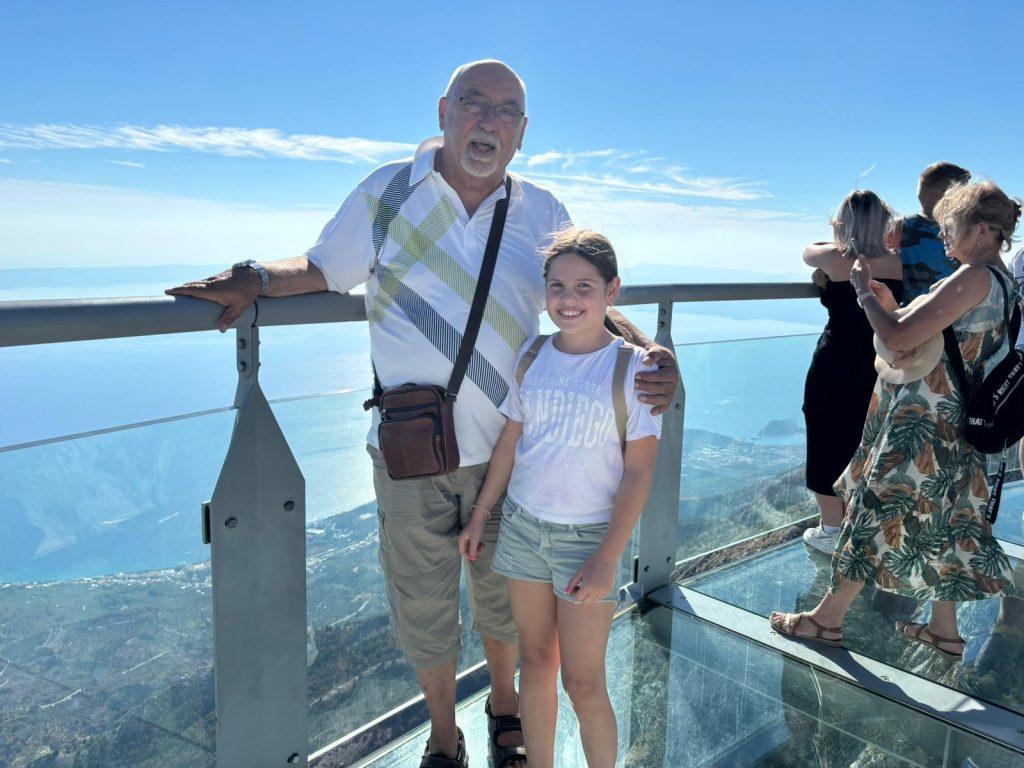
{"x":420,"y":520}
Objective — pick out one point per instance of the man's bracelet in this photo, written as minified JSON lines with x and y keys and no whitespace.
{"x":487,"y":510}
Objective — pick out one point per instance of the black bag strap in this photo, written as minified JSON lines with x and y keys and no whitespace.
{"x":956,"y":360}
{"x":995,"y":493}
{"x":476,"y":311}
{"x":483,"y":289}
{"x":378,"y":390}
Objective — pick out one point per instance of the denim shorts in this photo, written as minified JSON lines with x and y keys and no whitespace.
{"x":535,"y":550}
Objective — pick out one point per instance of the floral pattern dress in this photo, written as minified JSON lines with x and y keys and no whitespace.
{"x":915,"y":491}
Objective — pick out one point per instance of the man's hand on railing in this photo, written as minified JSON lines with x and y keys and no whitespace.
{"x":659,"y":387}
{"x":235,"y":289}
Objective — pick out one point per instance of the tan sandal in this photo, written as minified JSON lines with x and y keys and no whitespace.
{"x":903,"y":626}
{"x":788,"y":623}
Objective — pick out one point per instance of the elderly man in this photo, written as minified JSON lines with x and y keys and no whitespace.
{"x":415,"y":232}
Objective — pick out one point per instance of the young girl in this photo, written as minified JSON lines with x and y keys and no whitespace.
{"x":579,"y":448}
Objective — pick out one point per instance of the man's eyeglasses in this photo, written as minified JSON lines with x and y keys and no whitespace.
{"x":477,"y":108}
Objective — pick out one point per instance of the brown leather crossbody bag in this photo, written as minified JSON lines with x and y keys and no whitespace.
{"x":416,"y":433}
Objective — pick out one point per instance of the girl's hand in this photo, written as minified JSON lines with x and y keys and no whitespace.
{"x":470,"y":544}
{"x":594,"y":580}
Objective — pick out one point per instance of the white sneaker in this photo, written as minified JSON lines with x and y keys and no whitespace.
{"x":816,"y":538}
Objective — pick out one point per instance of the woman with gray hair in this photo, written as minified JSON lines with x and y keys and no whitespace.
{"x":842,"y":372}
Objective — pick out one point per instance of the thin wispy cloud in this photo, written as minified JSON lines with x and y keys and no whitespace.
{"x":636,"y":172}
{"x":718,"y":189}
{"x":626,"y":171}
{"x":227,"y":141}
{"x":126,"y":163}
{"x":4,"y":161}
{"x":565,"y":159}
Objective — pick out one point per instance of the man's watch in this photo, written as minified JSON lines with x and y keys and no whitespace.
{"x":259,"y":269}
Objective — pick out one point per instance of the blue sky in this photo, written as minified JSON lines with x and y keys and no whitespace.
{"x":695,"y":134}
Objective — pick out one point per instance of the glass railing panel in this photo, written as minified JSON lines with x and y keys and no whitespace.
{"x":794,"y":578}
{"x":106,"y":646}
{"x":1009,"y":523}
{"x":702,"y":322}
{"x":687,"y":694}
{"x":302,"y":360}
{"x":110,"y":524}
{"x":744,"y":445}
{"x":54,"y":390}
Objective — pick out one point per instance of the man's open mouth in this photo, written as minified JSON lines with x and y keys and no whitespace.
{"x":482,"y":147}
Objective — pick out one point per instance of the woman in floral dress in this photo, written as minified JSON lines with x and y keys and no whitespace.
{"x":915,"y":492}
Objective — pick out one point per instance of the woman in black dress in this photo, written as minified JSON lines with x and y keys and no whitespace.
{"x":842,"y":373}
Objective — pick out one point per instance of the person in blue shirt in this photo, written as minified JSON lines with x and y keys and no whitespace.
{"x":921,"y":251}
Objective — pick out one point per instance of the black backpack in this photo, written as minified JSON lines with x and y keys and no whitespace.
{"x":993,"y":410}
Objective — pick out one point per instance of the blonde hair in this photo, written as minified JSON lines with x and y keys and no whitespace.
{"x":981,"y":203}
{"x":863,"y":217}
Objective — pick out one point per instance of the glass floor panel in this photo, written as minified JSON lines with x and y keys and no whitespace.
{"x":689,"y":694}
{"x":1008,"y":525}
{"x":793,"y":578}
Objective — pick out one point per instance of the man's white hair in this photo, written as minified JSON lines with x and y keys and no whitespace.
{"x":461,"y":70}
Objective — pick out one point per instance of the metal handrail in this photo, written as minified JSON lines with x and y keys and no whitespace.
{"x":24,"y":323}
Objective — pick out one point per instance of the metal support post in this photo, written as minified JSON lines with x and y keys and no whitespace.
{"x":256,"y":526}
{"x":658,"y":529}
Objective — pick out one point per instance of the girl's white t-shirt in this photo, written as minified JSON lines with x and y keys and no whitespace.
{"x":568,"y":463}
{"x":1017,"y":270}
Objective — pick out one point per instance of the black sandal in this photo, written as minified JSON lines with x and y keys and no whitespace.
{"x":500,"y":754}
{"x":441,"y":761}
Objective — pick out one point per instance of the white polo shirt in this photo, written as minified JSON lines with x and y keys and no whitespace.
{"x":405,"y":233}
